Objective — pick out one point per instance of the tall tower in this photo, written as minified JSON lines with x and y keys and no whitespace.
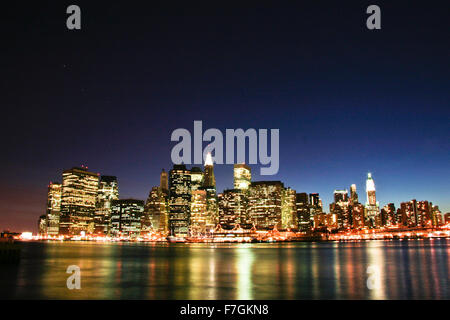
{"x":353,"y":194}
{"x":179,"y":201}
{"x":78,"y":200}
{"x":108,"y":191}
{"x":370,"y":190}
{"x":164,"y":181}
{"x":372,"y":207}
{"x":242,"y":176}
{"x":53,"y":208}
{"x":209,"y":180}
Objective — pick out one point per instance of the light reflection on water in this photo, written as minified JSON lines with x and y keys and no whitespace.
{"x":415,"y":269}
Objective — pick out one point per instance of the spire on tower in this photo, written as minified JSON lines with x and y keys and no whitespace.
{"x":209,"y":160}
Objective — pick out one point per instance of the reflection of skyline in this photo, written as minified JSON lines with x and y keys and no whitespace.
{"x":408,"y":270}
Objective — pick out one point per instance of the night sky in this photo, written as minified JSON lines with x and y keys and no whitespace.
{"x":347,"y":100}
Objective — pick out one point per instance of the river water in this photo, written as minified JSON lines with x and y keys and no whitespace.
{"x":410,"y":269}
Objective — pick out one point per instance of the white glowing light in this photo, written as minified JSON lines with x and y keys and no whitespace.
{"x":208,"y":161}
{"x":26,"y":236}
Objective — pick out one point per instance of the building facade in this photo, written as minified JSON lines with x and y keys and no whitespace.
{"x":126,"y":218}
{"x":78,"y":201}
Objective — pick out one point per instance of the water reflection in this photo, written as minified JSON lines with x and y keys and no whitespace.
{"x":407,"y":269}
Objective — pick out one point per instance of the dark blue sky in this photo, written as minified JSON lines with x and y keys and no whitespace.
{"x":347,"y":100}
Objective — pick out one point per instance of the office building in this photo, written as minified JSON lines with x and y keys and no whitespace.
{"x":78,"y":200}
{"x":126,"y":218}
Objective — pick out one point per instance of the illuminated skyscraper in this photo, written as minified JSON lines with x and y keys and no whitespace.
{"x":209,"y":185}
{"x":340,"y":196}
{"x":179,"y":201}
{"x":353,"y":194}
{"x":372,"y":218}
{"x":408,"y":213}
{"x":242,"y":176}
{"x":288,"y":209}
{"x":388,"y":215}
{"x":357,"y":214}
{"x":79,"y":195}
{"x":164,"y":180}
{"x":43,"y":225}
{"x":108,"y":191}
{"x":303,"y":212}
{"x":198,"y":213}
{"x":315,"y":204}
{"x":265,"y":202}
{"x":233,"y":206}
{"x":53,"y":208}
{"x":341,"y":207}
{"x":209,"y":180}
{"x":126,"y":217}
{"x":156,"y":211}
{"x":196,"y":178}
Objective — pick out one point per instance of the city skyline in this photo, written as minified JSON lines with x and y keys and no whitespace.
{"x":346,"y":100}
{"x":186,"y":204}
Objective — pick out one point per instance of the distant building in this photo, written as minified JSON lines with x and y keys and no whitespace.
{"x":42,"y":225}
{"x":208,"y":179}
{"x":353,"y":194}
{"x":357,"y":214}
{"x":372,"y":215}
{"x":78,"y":199}
{"x":265,"y":202}
{"x":340,"y":196}
{"x":156,"y":211}
{"x":53,"y":208}
{"x":126,"y":217}
{"x":242,"y":176}
{"x":179,"y":201}
{"x":164,"y":180}
{"x":324,"y":221}
{"x":198,"y":213}
{"x":196,"y":178}
{"x":388,"y":215}
{"x":424,"y":214}
{"x":108,"y":191}
{"x":304,"y":218}
{"x":289,"y":218}
{"x":447,"y":218}
{"x":233,"y":206}
{"x":408,"y":213}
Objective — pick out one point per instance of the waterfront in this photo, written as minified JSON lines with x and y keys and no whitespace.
{"x":409,"y":269}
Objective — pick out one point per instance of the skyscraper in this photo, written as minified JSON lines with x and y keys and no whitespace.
{"x":156,"y":211}
{"x":288,"y":209}
{"x":53,"y":208}
{"x":164,"y":181}
{"x":242,"y":176}
{"x":79,"y":194}
{"x":126,"y":217}
{"x":108,"y":191}
{"x":179,"y":201}
{"x":209,"y":185}
{"x":198,"y":213}
{"x":388,"y":215}
{"x":340,"y":196}
{"x":303,"y":212}
{"x":372,"y":207}
{"x":233,"y":204}
{"x":209,"y":180}
{"x":43,"y":225}
{"x":265,"y":202}
{"x":196,"y":178}
{"x":353,"y":194}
